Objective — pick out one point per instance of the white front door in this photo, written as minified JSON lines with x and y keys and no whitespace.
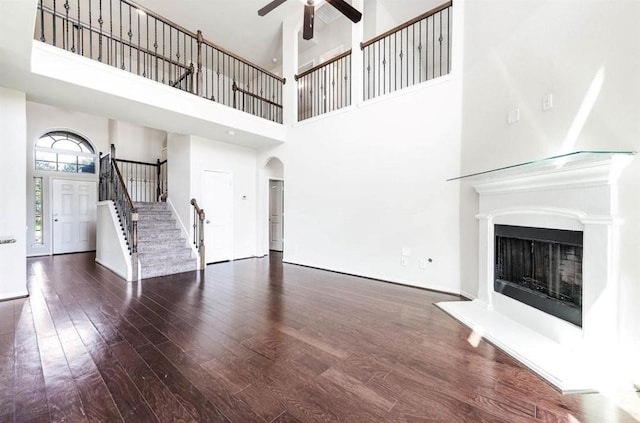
{"x":74,"y":216}
{"x":276,"y":219}
{"x":218,"y":208}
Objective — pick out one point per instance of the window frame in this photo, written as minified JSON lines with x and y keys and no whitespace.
{"x":78,"y":154}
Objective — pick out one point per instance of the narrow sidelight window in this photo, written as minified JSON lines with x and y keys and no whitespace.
{"x":38,"y":233}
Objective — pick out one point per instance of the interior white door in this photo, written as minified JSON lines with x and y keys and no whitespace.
{"x":276,"y":218}
{"x":218,"y":207}
{"x":74,"y":216}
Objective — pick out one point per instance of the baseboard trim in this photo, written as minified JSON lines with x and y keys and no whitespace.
{"x":15,"y":296}
{"x":422,"y":288}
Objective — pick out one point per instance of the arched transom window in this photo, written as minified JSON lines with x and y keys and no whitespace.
{"x":63,"y":151}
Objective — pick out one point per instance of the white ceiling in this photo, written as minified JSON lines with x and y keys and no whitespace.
{"x":235,"y":25}
{"x":232,"y":24}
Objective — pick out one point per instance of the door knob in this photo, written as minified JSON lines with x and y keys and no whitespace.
{"x":55,"y":220}
{"x":207,"y":222}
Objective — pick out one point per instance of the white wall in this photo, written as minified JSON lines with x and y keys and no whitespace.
{"x":111,"y":247}
{"x":241,"y":163}
{"x":13,"y":133}
{"x":381,"y":16}
{"x":326,"y":38}
{"x":584,"y":53}
{"x":364,"y":183}
{"x":179,"y":176}
{"x":134,"y":142}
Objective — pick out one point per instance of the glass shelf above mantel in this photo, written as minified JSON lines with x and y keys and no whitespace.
{"x":577,"y":158}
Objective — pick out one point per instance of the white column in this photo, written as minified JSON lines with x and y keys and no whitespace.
{"x":290,"y":28}
{"x":357,"y":33}
{"x":13,"y":192}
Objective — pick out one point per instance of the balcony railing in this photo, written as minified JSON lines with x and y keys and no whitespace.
{"x":325,"y":88}
{"x":413,"y":52}
{"x":127,"y":36}
{"x":132,"y":38}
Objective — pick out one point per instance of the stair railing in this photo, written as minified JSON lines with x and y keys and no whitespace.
{"x":113,"y":188}
{"x":127,"y":212}
{"x":198,"y":232}
{"x":146,"y":182}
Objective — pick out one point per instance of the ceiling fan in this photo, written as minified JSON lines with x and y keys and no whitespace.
{"x":309,"y":11}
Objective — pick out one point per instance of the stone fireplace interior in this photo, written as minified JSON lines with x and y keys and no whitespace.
{"x":547,"y":280}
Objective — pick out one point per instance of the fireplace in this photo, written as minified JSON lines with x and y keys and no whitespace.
{"x":542,"y":268}
{"x":547,"y":289}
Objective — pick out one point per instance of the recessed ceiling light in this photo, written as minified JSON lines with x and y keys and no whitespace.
{"x":274,"y":59}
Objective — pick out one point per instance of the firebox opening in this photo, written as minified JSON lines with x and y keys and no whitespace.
{"x":542,"y":268}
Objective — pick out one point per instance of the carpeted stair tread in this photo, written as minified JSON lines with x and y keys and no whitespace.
{"x":161,"y":248}
{"x":159,"y":257}
{"x":168,"y":268}
{"x":156,"y":224}
{"x":148,"y":234}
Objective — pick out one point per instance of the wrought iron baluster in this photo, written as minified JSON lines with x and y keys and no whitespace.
{"x":408,"y":52}
{"x":42,"y":37}
{"x":440,"y":42}
{"x":111,"y":54}
{"x":65,"y":38}
{"x":433,"y":47}
{"x":139,"y":44}
{"x":163,"y":51}
{"x":90,"y":32}
{"x":53,"y":22}
{"x":147,"y":62}
{"x":120,"y":39}
{"x":100,"y":22}
{"x":78,"y":31}
{"x":155,"y":46}
{"x":420,"y":51}
{"x":449,"y":40}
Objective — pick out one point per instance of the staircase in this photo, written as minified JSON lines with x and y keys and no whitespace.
{"x":161,"y":248}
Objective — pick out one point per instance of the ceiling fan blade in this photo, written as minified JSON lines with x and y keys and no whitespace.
{"x":346,"y":9}
{"x":307,"y":29}
{"x":268,"y":8}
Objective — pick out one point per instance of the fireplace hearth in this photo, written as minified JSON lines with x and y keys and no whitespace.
{"x":542,"y":268}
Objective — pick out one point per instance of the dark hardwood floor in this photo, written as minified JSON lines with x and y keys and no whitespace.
{"x":256,"y":340}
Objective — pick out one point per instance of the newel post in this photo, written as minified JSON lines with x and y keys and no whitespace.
{"x":134,"y":245}
{"x":199,"y":40}
{"x":201,"y":247}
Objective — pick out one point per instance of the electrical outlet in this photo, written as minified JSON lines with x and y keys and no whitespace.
{"x":547,"y":102}
{"x":513,"y":116}
{"x":404,"y":261}
{"x":406,"y":251}
{"x":423,"y":264}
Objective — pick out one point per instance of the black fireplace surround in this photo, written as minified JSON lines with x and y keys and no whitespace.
{"x":542,"y":268}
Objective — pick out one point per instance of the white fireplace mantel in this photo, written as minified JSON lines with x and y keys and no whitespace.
{"x":576,"y":192}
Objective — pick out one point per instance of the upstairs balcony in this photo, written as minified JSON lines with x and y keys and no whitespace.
{"x":129,"y":37}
